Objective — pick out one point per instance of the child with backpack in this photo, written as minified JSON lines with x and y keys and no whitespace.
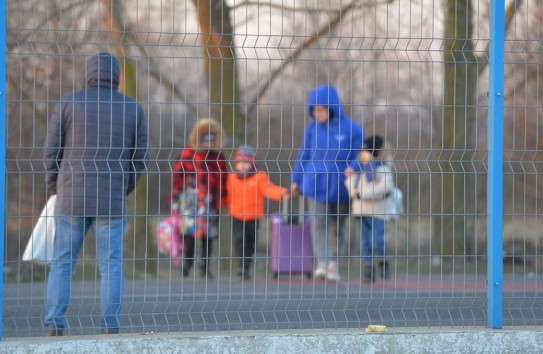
{"x":371,"y":188}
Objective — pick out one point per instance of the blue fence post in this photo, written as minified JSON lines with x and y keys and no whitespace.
{"x":3,"y":94}
{"x":495,"y":163}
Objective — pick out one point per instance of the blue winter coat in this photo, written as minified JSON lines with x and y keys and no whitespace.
{"x":326,"y":150}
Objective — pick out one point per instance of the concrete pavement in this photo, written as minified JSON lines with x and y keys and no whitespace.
{"x":428,"y":340}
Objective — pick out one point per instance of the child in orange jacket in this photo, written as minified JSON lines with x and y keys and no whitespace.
{"x":246,"y":189}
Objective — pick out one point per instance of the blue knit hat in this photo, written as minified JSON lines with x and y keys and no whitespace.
{"x":245,"y":153}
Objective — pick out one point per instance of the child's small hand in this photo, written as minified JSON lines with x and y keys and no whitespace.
{"x":294,"y":189}
{"x":349,"y":171}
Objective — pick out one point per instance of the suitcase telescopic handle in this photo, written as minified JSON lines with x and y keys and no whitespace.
{"x":284,"y":208}
{"x":285,"y":203}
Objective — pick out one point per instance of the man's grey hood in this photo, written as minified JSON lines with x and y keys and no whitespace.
{"x":102,"y":70}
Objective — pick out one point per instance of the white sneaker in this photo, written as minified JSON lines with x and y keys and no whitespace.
{"x":320,"y":271}
{"x":332,"y":272}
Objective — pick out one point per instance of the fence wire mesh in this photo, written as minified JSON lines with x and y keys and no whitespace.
{"x":413,"y":72}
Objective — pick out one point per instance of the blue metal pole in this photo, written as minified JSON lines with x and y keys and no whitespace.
{"x":3,"y":123}
{"x":495,"y":163}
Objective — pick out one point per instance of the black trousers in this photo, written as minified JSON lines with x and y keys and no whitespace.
{"x":189,"y":244}
{"x":245,"y":234}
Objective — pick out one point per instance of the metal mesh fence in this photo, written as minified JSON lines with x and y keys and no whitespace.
{"x":413,"y":72}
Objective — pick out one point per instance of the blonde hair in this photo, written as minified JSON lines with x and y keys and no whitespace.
{"x":206,"y":126}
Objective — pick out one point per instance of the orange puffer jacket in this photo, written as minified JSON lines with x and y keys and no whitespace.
{"x":245,"y":196}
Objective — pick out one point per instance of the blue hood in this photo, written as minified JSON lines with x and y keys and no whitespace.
{"x":326,"y":149}
{"x":325,"y":96}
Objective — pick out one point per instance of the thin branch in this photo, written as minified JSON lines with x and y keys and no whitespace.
{"x":357,"y":3}
{"x":307,"y":43}
{"x":521,"y":84}
{"x":509,"y":15}
{"x":125,"y":36}
{"x":29,"y":101}
{"x":163,"y":80}
{"x":55,"y":14}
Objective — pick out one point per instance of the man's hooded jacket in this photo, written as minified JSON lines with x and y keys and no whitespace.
{"x":96,"y":144}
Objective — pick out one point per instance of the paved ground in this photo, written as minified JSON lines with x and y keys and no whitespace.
{"x":290,"y":302}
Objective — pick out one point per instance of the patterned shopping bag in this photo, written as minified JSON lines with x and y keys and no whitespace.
{"x":169,"y":240}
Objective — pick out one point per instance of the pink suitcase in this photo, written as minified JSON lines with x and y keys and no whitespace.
{"x":291,"y":245}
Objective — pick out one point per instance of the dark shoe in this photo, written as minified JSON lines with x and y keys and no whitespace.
{"x":185,"y":268}
{"x":385,"y":273}
{"x":53,"y":332}
{"x":109,"y":331}
{"x":369,"y":274}
{"x":246,"y":273}
{"x":205,"y":273}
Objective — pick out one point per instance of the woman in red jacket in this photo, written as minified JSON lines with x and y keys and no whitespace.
{"x":246,"y":190}
{"x":198,"y":181}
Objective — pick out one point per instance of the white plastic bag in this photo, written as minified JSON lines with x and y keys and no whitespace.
{"x":397,"y":202}
{"x":40,"y":246}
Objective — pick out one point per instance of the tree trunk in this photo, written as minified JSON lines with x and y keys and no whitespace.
{"x":137,"y":244}
{"x":220,"y":65}
{"x":455,"y":198}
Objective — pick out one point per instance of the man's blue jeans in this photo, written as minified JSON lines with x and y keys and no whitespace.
{"x":372,"y":239}
{"x":69,"y":237}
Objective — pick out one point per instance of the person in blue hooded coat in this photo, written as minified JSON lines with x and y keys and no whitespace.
{"x":331,"y":141}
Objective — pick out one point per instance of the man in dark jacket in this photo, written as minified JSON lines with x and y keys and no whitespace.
{"x":95,"y":152}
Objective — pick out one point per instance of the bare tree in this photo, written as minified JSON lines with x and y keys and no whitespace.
{"x":455,"y":197}
{"x":217,"y":38}
{"x":111,"y":21}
